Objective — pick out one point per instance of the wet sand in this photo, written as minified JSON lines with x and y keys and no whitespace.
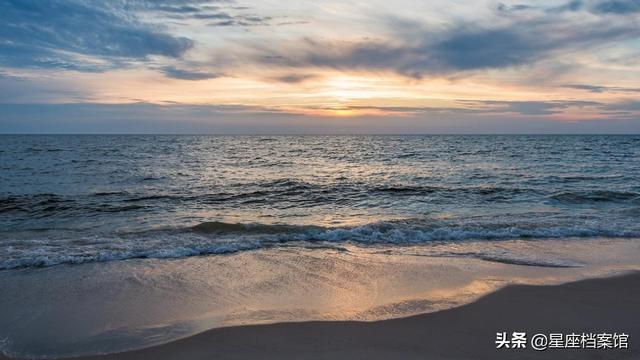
{"x":466,"y":332}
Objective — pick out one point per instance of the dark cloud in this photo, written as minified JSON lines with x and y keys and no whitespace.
{"x":460,"y":48}
{"x":186,"y":74}
{"x":617,"y":7}
{"x":477,"y":107}
{"x":240,"y":20}
{"x":573,"y":5}
{"x":61,"y":33}
{"x":180,"y":9}
{"x":222,"y":13}
{"x":138,"y":117}
{"x":514,"y":8}
{"x":16,"y":88}
{"x":626,"y":106}
{"x":190,"y":119}
{"x":177,"y":6}
{"x":294,"y":22}
{"x":237,"y":23}
{"x":601,"y":89}
{"x":95,"y":36}
{"x":535,"y":107}
{"x":590,"y":88}
{"x":477,"y":49}
{"x":213,"y":16}
{"x":620,"y":7}
{"x":294,"y":78}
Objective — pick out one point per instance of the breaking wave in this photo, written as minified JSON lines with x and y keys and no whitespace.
{"x":215,"y":238}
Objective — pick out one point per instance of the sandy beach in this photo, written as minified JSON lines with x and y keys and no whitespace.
{"x":609,"y":305}
{"x":368,"y":302}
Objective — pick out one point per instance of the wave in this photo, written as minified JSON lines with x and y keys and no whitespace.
{"x":29,"y":203}
{"x":211,"y":238}
{"x":45,"y":205}
{"x":476,"y":190}
{"x":37,"y":150}
{"x":39,"y":260}
{"x":415,"y":231}
{"x":585,"y":178}
{"x":283,"y":194}
{"x":218,"y":227}
{"x":582,"y":197}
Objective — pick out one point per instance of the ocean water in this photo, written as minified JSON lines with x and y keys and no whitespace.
{"x":112,"y":243}
{"x":84,"y":199}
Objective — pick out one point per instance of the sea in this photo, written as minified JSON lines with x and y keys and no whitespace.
{"x":71,"y":199}
{"x":110,"y":243}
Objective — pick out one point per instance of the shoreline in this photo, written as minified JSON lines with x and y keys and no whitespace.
{"x":595,"y":305}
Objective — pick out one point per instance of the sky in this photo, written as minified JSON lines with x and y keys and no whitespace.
{"x":321,"y":66}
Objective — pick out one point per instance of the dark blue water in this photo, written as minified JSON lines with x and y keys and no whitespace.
{"x":74,"y":199}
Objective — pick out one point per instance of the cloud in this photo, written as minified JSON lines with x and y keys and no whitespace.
{"x":458,"y":48}
{"x":81,"y":35}
{"x":573,"y":5}
{"x":237,"y":119}
{"x":17,"y":88}
{"x":173,"y":6}
{"x":617,"y":7}
{"x":477,"y":49}
{"x":535,"y":107}
{"x":294,"y":78}
{"x":590,"y":88}
{"x":215,"y":16}
{"x":478,"y":107}
{"x":601,"y":89}
{"x":137,"y":118}
{"x":186,"y":74}
{"x":620,"y":7}
{"x":293,"y":22}
{"x":222,"y":13}
{"x":626,"y":106}
{"x":251,"y":21}
{"x":514,"y":8}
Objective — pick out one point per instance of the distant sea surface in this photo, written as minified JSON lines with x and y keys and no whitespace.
{"x":78,"y":199}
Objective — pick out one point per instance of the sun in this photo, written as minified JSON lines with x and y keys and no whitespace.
{"x":343,"y":112}
{"x":346,"y":88}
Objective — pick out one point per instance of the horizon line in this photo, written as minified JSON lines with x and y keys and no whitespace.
{"x":319,"y":134}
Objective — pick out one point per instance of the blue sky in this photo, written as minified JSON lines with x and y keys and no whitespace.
{"x":196,"y":66}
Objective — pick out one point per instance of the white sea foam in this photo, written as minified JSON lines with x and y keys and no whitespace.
{"x":215,"y":238}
